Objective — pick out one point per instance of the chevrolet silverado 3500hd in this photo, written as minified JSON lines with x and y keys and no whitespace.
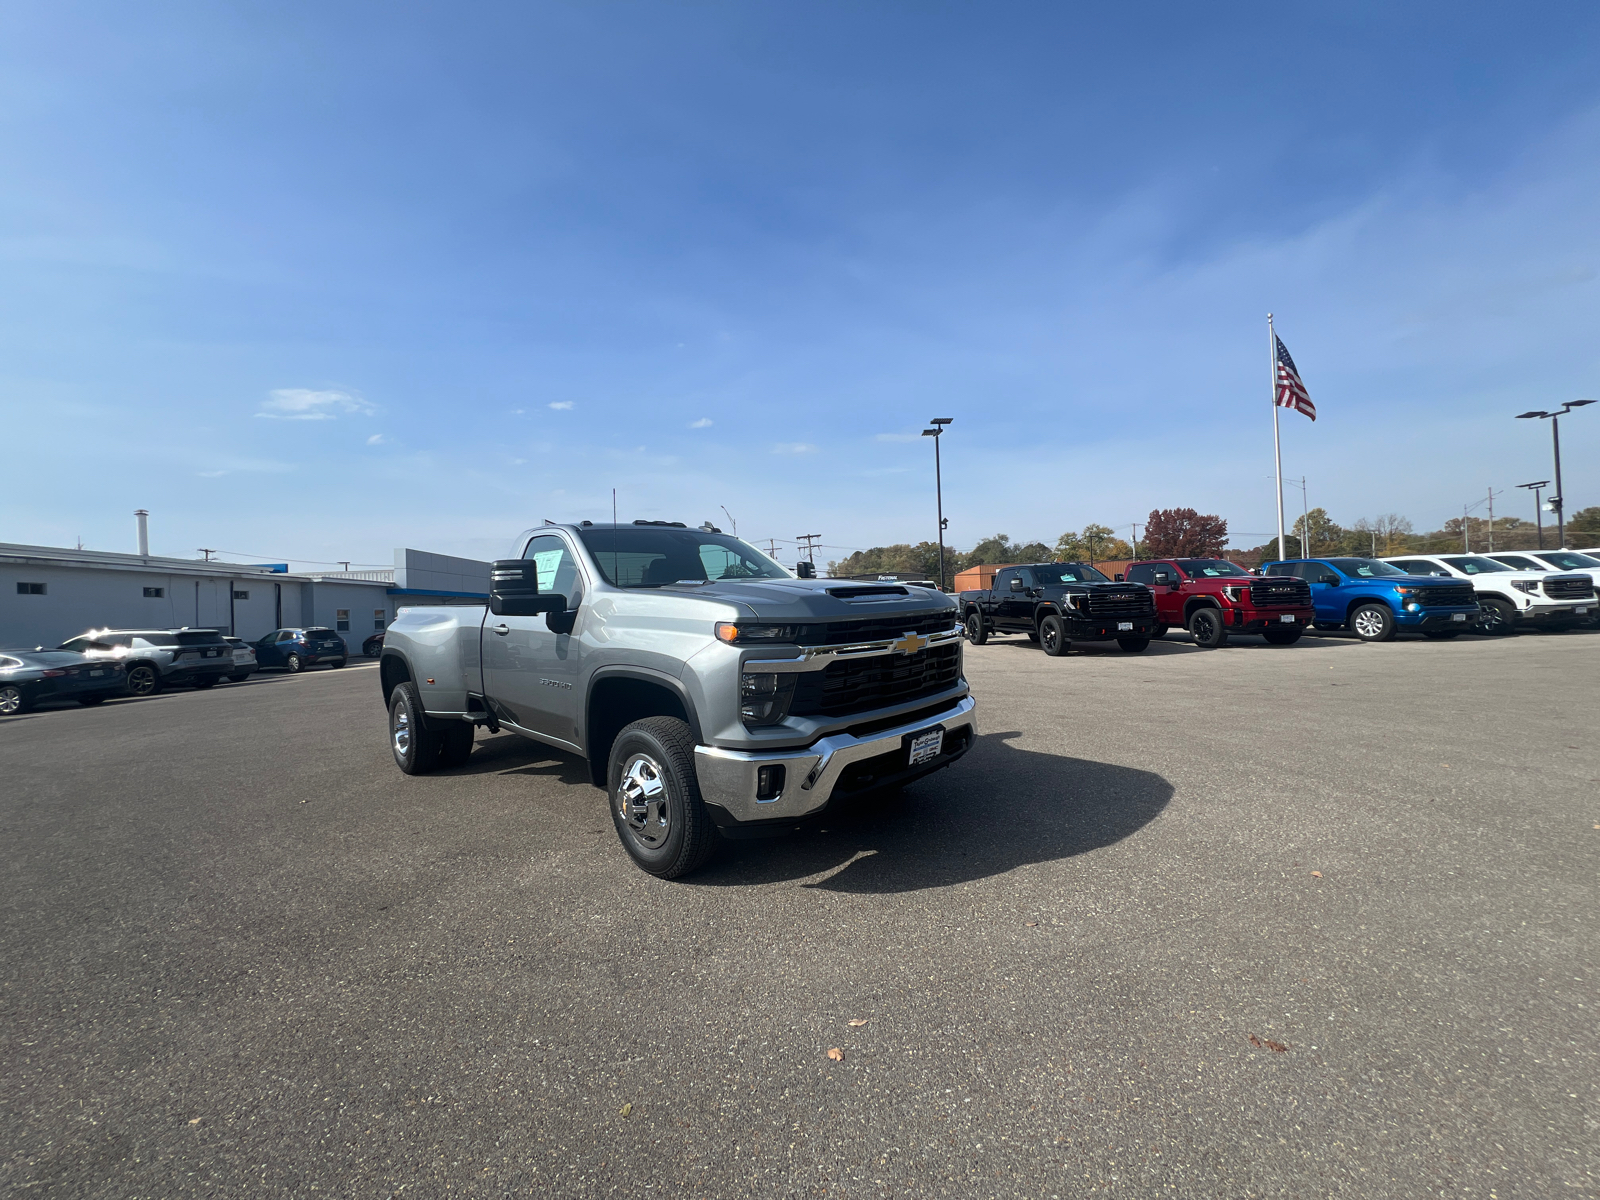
{"x":706,"y":686}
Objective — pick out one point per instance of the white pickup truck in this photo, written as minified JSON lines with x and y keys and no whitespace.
{"x":707,"y":686}
{"x":1512,"y":599}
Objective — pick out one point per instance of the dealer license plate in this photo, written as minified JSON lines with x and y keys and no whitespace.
{"x":1581,"y":611}
{"x":1124,"y":624}
{"x":1463,"y":616}
{"x":925,"y":747}
{"x":1287,"y":619}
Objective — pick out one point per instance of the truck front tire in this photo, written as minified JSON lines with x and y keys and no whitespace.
{"x":1373,"y":623}
{"x":1497,"y":618}
{"x":1207,"y":629}
{"x":655,"y":798}
{"x":1053,"y":636}
{"x":977,"y":632}
{"x":414,"y":745}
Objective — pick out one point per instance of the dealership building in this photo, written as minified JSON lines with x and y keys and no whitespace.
{"x":48,"y":594}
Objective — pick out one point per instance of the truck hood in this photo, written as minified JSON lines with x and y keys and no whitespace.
{"x":804,"y":600}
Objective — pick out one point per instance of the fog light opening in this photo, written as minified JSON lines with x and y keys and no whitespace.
{"x":769,"y":781}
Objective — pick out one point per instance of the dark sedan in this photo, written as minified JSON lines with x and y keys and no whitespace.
{"x":29,"y":676}
{"x":293,"y":650}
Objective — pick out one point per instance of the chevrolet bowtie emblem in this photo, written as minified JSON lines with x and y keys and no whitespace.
{"x":909,"y":644}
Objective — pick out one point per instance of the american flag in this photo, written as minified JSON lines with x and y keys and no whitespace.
{"x":1291,"y":392}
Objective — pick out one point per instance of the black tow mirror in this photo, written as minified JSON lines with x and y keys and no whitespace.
{"x":1162,"y":577}
{"x":1016,"y":585}
{"x":805,"y":570}
{"x":514,"y":590}
{"x":1330,"y":580}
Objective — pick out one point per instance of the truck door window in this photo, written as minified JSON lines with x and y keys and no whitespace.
{"x":557,"y":569}
{"x":1002,"y":581}
{"x":1143,"y":573}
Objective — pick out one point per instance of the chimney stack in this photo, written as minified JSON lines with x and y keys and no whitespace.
{"x":143,"y":517}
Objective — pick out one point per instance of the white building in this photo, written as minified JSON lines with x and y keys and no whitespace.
{"x":48,"y":594}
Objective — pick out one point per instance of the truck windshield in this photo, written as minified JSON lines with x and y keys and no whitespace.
{"x":1049,"y":573}
{"x":1475,"y":564}
{"x":1567,"y":560}
{"x":1209,"y":568}
{"x":651,"y":557}
{"x":1365,"y":568}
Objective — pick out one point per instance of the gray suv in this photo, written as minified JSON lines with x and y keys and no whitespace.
{"x":155,"y":658}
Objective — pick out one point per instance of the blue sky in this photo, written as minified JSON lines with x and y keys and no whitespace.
{"x":314,"y":281}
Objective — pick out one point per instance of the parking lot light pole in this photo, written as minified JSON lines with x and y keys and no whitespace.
{"x":938,"y":424}
{"x":1538,"y":516}
{"x":1556,"y":501}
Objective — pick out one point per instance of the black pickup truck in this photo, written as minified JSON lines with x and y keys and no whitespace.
{"x":1057,"y":604}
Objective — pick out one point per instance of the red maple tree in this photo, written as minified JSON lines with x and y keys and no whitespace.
{"x":1184,"y":533}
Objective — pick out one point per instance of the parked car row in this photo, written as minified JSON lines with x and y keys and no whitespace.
{"x":104,"y":663}
{"x":1439,"y":596}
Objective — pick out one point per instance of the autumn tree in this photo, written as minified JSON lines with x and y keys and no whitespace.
{"x":1097,"y":543}
{"x":1184,"y":533}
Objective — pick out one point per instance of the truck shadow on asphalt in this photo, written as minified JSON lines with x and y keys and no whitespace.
{"x":997,"y":809}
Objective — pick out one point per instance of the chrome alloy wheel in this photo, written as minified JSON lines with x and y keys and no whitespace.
{"x":142,"y":680}
{"x":642,"y":801}
{"x":400,"y":734}
{"x":1369,"y":623}
{"x":10,"y":700}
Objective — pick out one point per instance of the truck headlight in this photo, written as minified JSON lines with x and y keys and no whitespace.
{"x":1233,"y":593}
{"x":764,"y":697}
{"x":727,"y":631}
{"x":1531,"y":586}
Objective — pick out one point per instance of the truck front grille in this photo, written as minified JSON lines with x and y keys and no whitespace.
{"x":1569,"y":587}
{"x":854,"y":685}
{"x":1136,"y":602}
{"x":1280,"y":593}
{"x":876,"y":629}
{"x":1441,"y":596}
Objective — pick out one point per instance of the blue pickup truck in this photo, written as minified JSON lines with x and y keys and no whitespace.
{"x":1375,"y":600}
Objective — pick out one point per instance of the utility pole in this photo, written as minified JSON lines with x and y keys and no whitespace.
{"x":1134,"y":527}
{"x":1466,"y":538}
{"x":772,"y":548}
{"x":1538,"y":513}
{"x":731,"y":521}
{"x":345,"y":563}
{"x":207,"y":553}
{"x":808,"y":538}
{"x":1492,"y":495}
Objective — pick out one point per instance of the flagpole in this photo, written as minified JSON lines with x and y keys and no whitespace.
{"x":1277,"y":451}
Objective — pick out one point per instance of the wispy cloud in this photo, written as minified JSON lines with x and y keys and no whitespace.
{"x":561,"y":405}
{"x":794,"y":448}
{"x":376,"y":439}
{"x":702,"y":423}
{"x":306,"y":404}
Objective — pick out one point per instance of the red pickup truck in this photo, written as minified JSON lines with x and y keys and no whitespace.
{"x":1212,"y":598}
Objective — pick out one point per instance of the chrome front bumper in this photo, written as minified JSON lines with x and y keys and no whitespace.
{"x":728,"y":778}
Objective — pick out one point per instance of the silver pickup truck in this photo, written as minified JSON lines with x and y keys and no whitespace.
{"x":708,"y":688}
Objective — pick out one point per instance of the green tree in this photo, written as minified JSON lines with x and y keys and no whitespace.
{"x":1586,"y":520}
{"x":1326,"y":537}
{"x":902,"y":558}
{"x":1097,"y":543}
{"x":1000,"y":549}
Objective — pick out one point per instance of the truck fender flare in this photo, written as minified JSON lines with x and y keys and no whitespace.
{"x":1050,"y":608}
{"x":1357,"y":601}
{"x":1195,"y":602}
{"x":394,"y":668}
{"x":597,"y":755}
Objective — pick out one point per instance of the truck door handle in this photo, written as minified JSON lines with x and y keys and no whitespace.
{"x":501,"y":629}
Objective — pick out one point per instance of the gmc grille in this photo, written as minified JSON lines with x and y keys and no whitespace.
{"x":1280,"y":593}
{"x":1569,"y":587}
{"x":1139,"y":603}
{"x":876,"y":629}
{"x":862,"y":684}
{"x":1449,"y":597}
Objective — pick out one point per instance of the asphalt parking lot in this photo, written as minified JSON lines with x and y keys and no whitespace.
{"x":1302,"y":921}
